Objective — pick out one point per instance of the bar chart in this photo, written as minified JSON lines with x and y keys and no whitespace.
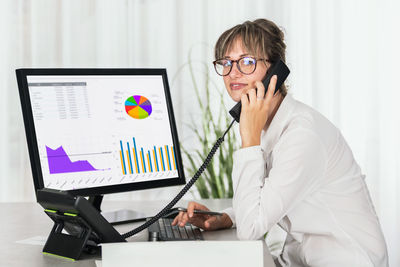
{"x":136,"y":159}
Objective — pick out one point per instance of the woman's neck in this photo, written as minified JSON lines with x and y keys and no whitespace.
{"x":276,"y":104}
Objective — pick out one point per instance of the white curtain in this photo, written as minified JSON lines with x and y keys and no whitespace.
{"x":344,"y":58}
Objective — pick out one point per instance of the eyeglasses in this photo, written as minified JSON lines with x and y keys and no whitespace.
{"x":246,"y":65}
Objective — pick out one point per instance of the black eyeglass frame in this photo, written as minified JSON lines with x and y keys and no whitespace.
{"x":237,"y":65}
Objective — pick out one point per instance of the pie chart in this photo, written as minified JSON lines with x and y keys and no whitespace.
{"x":138,"y":107}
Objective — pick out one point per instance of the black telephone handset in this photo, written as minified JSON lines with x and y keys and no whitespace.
{"x":280,"y":69}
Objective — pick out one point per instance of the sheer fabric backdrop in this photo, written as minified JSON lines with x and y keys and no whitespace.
{"x":343,"y":55}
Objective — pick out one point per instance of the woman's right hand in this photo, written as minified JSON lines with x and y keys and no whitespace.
{"x":205,"y":222}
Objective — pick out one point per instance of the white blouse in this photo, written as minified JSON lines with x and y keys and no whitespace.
{"x":304,"y":177}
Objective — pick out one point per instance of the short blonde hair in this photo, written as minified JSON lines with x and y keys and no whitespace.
{"x":261,"y":37}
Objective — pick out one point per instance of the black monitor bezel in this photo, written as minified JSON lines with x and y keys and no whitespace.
{"x":31,"y":133}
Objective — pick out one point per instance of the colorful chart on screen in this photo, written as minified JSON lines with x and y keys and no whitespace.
{"x":59,"y":162}
{"x":138,"y":107}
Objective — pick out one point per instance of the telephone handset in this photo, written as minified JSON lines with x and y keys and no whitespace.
{"x":280,"y":69}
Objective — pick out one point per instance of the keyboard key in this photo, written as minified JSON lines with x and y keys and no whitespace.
{"x":175,"y":230}
{"x":197,"y":234}
{"x":169,"y":231}
{"x":189,"y":231}
{"x":183,"y":233}
{"x":163,"y":232}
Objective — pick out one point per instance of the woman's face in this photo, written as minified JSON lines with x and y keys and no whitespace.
{"x":237,"y":83}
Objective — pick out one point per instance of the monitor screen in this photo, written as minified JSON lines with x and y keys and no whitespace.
{"x":100,"y":131}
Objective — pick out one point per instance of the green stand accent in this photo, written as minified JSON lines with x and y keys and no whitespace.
{"x":45,"y":253}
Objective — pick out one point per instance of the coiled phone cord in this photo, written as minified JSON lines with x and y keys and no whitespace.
{"x":184,"y":189}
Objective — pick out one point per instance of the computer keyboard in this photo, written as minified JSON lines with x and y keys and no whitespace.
{"x":162,"y":230}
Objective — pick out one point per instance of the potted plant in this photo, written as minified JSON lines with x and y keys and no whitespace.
{"x":216,"y":181}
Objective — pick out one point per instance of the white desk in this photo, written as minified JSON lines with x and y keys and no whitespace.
{"x":21,"y":221}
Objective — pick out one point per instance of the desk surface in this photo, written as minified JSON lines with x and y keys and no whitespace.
{"x":20,"y":221}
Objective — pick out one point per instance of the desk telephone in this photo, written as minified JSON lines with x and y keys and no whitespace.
{"x":77,"y":214}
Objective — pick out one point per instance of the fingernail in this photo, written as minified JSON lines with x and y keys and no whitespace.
{"x":190,"y":215}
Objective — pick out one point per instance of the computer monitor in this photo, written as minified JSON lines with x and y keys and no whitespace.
{"x":98,"y":131}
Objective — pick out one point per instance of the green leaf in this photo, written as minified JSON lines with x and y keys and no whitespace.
{"x":216,"y":181}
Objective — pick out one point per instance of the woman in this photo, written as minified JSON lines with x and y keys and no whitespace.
{"x":294,"y":168}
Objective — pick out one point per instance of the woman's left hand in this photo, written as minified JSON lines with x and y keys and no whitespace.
{"x":257,"y":111}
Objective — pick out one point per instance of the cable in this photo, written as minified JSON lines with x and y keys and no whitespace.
{"x":184,"y":189}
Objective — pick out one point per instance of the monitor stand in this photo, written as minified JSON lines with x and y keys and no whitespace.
{"x":119,"y":216}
